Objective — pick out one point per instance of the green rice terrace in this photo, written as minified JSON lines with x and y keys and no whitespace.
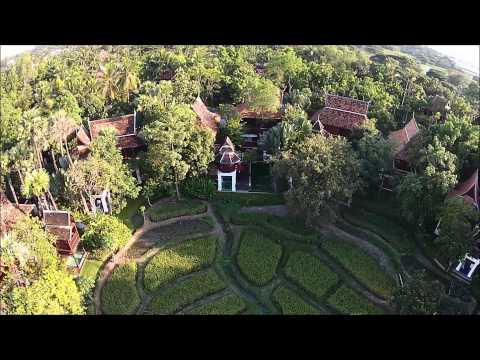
{"x":229,"y":257}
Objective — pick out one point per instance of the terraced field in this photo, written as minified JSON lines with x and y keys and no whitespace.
{"x":244,"y":263}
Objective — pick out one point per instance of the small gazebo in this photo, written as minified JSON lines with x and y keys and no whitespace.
{"x":401,"y":140}
{"x":228,"y":162}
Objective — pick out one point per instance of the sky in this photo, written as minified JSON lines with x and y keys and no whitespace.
{"x":466,"y":55}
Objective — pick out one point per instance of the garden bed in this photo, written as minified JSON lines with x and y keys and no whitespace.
{"x":361,"y":265}
{"x":291,"y":304}
{"x":230,"y":304}
{"x":187,"y":292}
{"x":170,"y":210}
{"x":249,"y":199}
{"x":258,"y":257}
{"x":119,"y":295}
{"x":178,"y":229}
{"x":349,"y":302}
{"x":169,"y":264}
{"x":310,"y":273}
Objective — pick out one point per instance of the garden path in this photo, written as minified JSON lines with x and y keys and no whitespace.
{"x":277,"y":210}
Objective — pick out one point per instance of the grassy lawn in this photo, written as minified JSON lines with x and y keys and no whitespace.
{"x":258,"y":257}
{"x":248,"y":199}
{"x":187,"y":292}
{"x":392,"y":232}
{"x":291,"y":304}
{"x":361,"y":265}
{"x":119,"y":296}
{"x":90,"y":268}
{"x":349,"y":302}
{"x":172,"y":263}
{"x":310,"y":273}
{"x":175,"y":209}
{"x":227,"y":305}
{"x":127,"y":215}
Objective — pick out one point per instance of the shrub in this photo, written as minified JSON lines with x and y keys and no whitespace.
{"x":179,"y":229}
{"x":201,"y":187}
{"x":310,"y":273}
{"x":227,"y":305}
{"x":348,"y":301}
{"x":291,"y":304}
{"x":258,"y":257}
{"x":172,"y":263}
{"x":175,"y":209}
{"x":119,"y":296}
{"x":361,"y":265}
{"x":104,"y":235}
{"x":187,"y":292}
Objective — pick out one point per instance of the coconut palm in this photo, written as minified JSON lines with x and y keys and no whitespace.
{"x":61,"y":126}
{"x":110,"y":77}
{"x":127,"y":77}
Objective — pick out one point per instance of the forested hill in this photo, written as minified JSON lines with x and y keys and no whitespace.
{"x":423,"y":54}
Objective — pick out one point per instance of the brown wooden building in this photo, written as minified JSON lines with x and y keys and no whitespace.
{"x":340,"y":115}
{"x":125,"y":126}
{"x":401,"y":140}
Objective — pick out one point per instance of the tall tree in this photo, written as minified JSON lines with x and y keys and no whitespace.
{"x":170,"y":154}
{"x":419,"y":296}
{"x":261,"y":95}
{"x":456,"y":235}
{"x":324,"y":171}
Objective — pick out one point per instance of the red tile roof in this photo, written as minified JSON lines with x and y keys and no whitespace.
{"x":82,"y":136}
{"x":469,"y":190}
{"x":11,"y":213}
{"x":62,"y":225}
{"x":342,"y":112}
{"x":246,"y":112}
{"x":125,"y":127}
{"x":207,"y":118}
{"x":339,"y":118}
{"x":402,"y":137}
{"x":346,"y":104}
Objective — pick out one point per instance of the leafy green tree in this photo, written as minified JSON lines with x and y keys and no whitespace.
{"x":419,"y":296}
{"x":233,"y":127}
{"x":35,"y":282}
{"x":104,"y":235}
{"x":324,"y":171}
{"x":177,"y":145}
{"x":284,"y":67}
{"x":376,"y":157}
{"x":294,"y":128}
{"x":261,"y":94}
{"x":36,"y":183}
{"x":103,"y":170}
{"x":456,"y":236}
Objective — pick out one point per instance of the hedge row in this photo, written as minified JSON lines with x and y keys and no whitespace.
{"x":310,"y":273}
{"x":227,"y":305}
{"x":175,"y":209}
{"x":258,"y":257}
{"x":282,"y":228}
{"x":361,"y":265}
{"x":291,"y":304}
{"x":187,"y":292}
{"x":119,"y":296}
{"x":249,"y":199}
{"x":349,"y":302}
{"x":172,"y":263}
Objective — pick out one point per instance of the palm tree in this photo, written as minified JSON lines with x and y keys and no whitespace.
{"x":61,"y":126}
{"x":36,"y":184}
{"x":37,"y":127}
{"x":128,"y":79}
{"x":110,"y":81}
